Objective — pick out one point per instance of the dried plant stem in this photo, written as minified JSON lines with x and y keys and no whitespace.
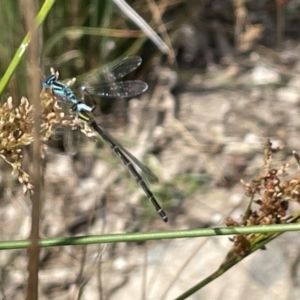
{"x":28,"y":10}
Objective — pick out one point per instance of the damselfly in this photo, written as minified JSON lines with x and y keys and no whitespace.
{"x":109,"y":88}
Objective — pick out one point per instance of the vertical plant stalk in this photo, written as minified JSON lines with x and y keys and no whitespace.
{"x":28,"y":11}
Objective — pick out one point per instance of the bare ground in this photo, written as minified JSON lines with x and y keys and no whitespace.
{"x":200,"y":143}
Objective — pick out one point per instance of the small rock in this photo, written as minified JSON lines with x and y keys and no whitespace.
{"x":288,"y":94}
{"x":263,"y":75}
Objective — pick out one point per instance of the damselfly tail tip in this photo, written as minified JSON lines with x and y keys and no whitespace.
{"x":161,"y":213}
{"x":163,"y":216}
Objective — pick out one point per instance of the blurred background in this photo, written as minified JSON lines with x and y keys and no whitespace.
{"x":229,"y":81}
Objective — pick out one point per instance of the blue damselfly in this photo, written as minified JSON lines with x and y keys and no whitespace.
{"x":104,"y":84}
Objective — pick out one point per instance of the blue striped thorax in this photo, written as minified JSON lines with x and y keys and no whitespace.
{"x":49,"y":81}
{"x":63,"y":91}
